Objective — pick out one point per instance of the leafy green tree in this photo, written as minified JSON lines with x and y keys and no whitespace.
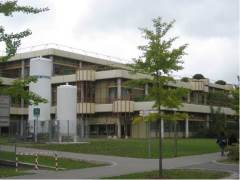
{"x":12,"y":41}
{"x":219,"y":121}
{"x":18,"y":90}
{"x":185,"y":79}
{"x":235,"y":100}
{"x":160,"y":59}
{"x":234,"y":126}
{"x":219,"y":98}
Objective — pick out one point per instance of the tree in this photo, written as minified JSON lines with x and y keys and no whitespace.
{"x":218,"y":122}
{"x":12,"y":42}
{"x":185,"y":79}
{"x":18,"y":91}
{"x":160,"y":59}
{"x":219,"y":98}
{"x":198,"y":76}
{"x":235,"y":100}
{"x":221,"y":82}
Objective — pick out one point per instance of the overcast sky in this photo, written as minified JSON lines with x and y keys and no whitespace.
{"x":210,"y":27}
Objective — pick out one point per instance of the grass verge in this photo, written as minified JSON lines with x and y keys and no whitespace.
{"x":8,"y":172}
{"x":49,"y":161}
{"x":137,"y":148}
{"x":176,"y":174}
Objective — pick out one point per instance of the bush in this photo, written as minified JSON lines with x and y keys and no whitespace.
{"x":233,"y":152}
{"x":221,"y":82}
{"x":185,"y":79}
{"x":198,"y":76}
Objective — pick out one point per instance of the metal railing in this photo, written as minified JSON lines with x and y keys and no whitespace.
{"x":69,"y":49}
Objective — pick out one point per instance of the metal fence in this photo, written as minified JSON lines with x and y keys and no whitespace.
{"x":49,"y":131}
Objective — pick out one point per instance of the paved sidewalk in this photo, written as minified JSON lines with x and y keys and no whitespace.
{"x":117,"y":165}
{"x":231,"y":168}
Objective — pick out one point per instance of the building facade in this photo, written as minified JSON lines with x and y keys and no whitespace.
{"x":105,"y":107}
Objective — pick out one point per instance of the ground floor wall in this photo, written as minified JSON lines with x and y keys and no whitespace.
{"x":115,"y":125}
{"x":183,"y":129}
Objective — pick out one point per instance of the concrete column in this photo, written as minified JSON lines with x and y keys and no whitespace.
{"x":189,"y":97}
{"x":162,"y":128}
{"x":87,"y":129}
{"x":119,"y":88}
{"x":207,"y":122}
{"x":146,"y":89}
{"x":119,"y":128}
{"x":22,"y":101}
{"x":80,"y":64}
{"x":186,"y":128}
{"x":22,"y":126}
{"x":22,"y":68}
{"x":51,"y":57}
{"x":81,"y":86}
{"x":82,"y":128}
{"x":205,"y":98}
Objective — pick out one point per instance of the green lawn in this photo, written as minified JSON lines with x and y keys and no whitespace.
{"x":49,"y":161}
{"x":176,"y":174}
{"x":8,"y":172}
{"x":5,"y":140}
{"x":135,"y":147}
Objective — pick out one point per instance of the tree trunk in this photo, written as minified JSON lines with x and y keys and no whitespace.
{"x":160,"y":148}
{"x":160,"y":124}
{"x":175,"y":138}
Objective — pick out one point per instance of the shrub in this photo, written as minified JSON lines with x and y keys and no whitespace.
{"x":233,"y":152}
{"x":185,"y":79}
{"x":221,"y":82}
{"x":198,"y":76}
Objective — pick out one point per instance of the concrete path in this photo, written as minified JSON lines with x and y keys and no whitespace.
{"x":231,"y":168}
{"x":117,"y":165}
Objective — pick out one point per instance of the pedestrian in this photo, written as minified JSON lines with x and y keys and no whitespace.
{"x":222,"y":142}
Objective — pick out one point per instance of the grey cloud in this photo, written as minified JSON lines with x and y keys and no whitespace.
{"x":194,"y":17}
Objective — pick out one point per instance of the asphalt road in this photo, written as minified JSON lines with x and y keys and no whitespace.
{"x":123,"y":165}
{"x":119,"y":165}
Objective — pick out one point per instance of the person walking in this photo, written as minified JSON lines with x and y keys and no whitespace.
{"x":222,"y":142}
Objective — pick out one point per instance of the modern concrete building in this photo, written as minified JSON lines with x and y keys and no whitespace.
{"x":105,"y":107}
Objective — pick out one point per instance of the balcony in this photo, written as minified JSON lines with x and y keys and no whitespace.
{"x":86,"y":108}
{"x":85,"y":75}
{"x":120,"y":106}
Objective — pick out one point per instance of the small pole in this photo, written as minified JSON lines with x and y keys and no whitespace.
{"x":15,"y":149}
{"x":36,"y":161}
{"x":37,"y":129}
{"x":34,"y":123}
{"x":16,"y":163}
{"x":68,"y":126}
{"x":56,"y":162}
{"x":149,"y":140}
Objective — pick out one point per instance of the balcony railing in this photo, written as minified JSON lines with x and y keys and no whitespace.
{"x":69,"y":49}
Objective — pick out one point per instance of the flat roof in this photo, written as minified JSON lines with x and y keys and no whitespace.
{"x":70,"y":55}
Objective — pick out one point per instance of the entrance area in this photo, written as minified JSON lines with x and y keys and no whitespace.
{"x":98,"y":130}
